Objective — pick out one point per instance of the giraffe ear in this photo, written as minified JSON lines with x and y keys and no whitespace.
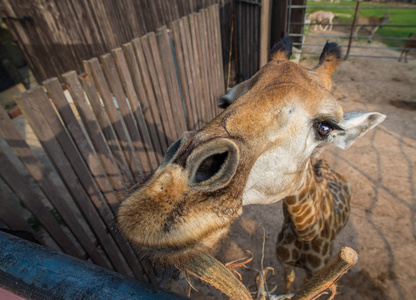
{"x":282,"y":50}
{"x":328,"y":61}
{"x":355,"y":125}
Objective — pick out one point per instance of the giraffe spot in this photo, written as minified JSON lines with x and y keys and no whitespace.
{"x":290,"y":238}
{"x":290,"y":200}
{"x":295,"y":253}
{"x":306,"y":246}
{"x":299,"y":219}
{"x":313,"y":260}
{"x":296,"y":209}
{"x":317,"y":244}
{"x":282,"y":253}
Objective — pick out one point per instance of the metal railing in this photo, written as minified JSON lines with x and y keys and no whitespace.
{"x":350,"y":36}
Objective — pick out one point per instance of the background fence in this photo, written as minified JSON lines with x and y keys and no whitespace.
{"x":131,"y":104}
{"x":56,"y":36}
{"x":297,"y":28}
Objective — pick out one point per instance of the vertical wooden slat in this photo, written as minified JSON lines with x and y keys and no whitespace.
{"x":142,"y":143}
{"x":39,"y":113}
{"x":141,"y":109}
{"x":161,"y":88}
{"x":205,"y":33}
{"x":116,"y":86}
{"x":197,"y":67}
{"x":20,"y":187}
{"x":151,"y":98}
{"x":193,"y":65}
{"x":188,"y":73}
{"x":92,"y":93}
{"x":219,"y":62}
{"x":94,"y":132}
{"x":114,"y":118}
{"x":161,"y":110}
{"x":197,"y":18}
{"x":176,"y":36}
{"x":171,"y":79}
{"x":213,"y":57}
{"x":55,"y":91}
{"x":45,"y":182}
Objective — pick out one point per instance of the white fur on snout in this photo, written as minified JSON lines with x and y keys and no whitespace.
{"x":278,"y":172}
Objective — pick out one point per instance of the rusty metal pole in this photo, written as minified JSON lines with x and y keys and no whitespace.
{"x":357,"y":7}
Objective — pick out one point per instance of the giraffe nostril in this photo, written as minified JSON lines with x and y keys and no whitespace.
{"x":210,"y":166}
{"x":213,"y":164}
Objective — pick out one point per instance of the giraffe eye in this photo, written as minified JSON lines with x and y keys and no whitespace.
{"x":324,"y":129}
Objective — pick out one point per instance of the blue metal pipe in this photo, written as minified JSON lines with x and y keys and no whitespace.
{"x":35,"y":272}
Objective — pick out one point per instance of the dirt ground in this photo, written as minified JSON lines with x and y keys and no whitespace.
{"x":380,"y":167}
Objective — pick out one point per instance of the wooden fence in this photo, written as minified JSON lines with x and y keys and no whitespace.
{"x":132,"y":103}
{"x":56,"y":36}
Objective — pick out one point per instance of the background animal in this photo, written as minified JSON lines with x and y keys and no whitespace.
{"x":374,"y":21}
{"x":410,"y":44}
{"x":319,"y":17}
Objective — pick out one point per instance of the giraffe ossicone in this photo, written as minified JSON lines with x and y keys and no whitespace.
{"x":257,"y":151}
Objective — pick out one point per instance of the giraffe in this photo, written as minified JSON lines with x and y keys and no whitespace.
{"x":256,"y":151}
{"x":313,"y":218}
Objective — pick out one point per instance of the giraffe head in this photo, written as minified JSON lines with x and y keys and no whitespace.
{"x":255,"y":151}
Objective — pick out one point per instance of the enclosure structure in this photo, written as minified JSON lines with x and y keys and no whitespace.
{"x":298,"y":28}
{"x":106,"y":132}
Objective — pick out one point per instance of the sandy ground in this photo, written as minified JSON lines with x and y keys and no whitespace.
{"x":380,"y":167}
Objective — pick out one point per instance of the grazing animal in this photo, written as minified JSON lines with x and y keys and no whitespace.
{"x":319,"y":17}
{"x":375,"y":23}
{"x":257,"y":151}
{"x":409,"y":45}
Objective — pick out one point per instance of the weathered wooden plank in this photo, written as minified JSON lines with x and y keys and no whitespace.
{"x":176,"y":36}
{"x":55,"y":92}
{"x":168,"y":64}
{"x":149,"y":46}
{"x":198,"y":83}
{"x":64,"y":155}
{"x":22,"y":150}
{"x":188,"y":73}
{"x":161,"y":86}
{"x":140,"y":106}
{"x":20,"y":187}
{"x":219,"y":52}
{"x":196,"y":20}
{"x":92,"y":127}
{"x":212,"y":58}
{"x":144,"y":151}
{"x":205,"y":60}
{"x":151,"y":98}
{"x":219,"y":58}
{"x":92,"y":93}
{"x":54,"y":89}
{"x":193,"y":66}
{"x":113,"y":115}
{"x":116,"y":86}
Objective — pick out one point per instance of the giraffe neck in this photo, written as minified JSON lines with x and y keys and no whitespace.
{"x":310,"y":206}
